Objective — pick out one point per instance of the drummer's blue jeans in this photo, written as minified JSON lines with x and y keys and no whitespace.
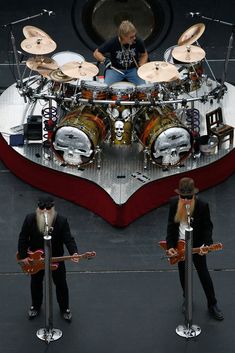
{"x":112,"y":76}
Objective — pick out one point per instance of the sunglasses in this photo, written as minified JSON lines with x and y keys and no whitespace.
{"x":43,"y":206}
{"x":188,"y":197}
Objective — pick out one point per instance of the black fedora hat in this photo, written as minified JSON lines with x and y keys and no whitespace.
{"x":186,"y":187}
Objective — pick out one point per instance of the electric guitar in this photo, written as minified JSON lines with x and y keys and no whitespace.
{"x":180,"y":248}
{"x":37,"y":261}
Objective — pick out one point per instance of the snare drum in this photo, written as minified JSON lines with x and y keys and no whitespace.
{"x":122,"y":91}
{"x":94,"y":90}
{"x":168,"y":141}
{"x":146,"y":91}
{"x":78,"y":134}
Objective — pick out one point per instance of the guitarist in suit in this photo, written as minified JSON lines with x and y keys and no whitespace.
{"x":202,"y":235}
{"x":31,"y":238}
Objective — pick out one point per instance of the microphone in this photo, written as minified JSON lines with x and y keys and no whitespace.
{"x":187,"y":206}
{"x":50,"y":13}
{"x":193,"y":14}
{"x":46,"y":218}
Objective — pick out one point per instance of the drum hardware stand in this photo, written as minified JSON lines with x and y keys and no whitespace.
{"x":20,"y":83}
{"x":188,"y":330}
{"x":98,"y":151}
{"x":209,"y":67}
{"x":146,"y":154}
{"x":230,"y":45}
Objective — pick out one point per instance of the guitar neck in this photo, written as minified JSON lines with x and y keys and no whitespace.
{"x":68,"y":257}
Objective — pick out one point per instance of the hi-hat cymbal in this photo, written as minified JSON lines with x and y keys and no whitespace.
{"x":158,"y":71}
{"x":192,"y":34}
{"x":58,"y":76}
{"x":31,"y":31}
{"x":38,"y":45}
{"x":188,"y":53}
{"x":80,"y":70}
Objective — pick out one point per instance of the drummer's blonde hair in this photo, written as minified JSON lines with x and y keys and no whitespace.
{"x":125,"y":28}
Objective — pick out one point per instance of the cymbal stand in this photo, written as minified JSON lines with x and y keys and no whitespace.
{"x":188,"y":330}
{"x":20,"y":83}
{"x":209,"y":67}
{"x":230,"y":45}
{"x":48,"y":333}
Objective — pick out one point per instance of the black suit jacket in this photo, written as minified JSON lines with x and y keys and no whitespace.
{"x":201,"y":224}
{"x":31,"y":238}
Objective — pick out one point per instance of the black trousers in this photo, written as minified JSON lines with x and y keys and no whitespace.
{"x":204,"y":276}
{"x":59,"y":279}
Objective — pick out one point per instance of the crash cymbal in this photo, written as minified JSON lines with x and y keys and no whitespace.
{"x":78,"y":69}
{"x":31,"y":31}
{"x":58,"y":76}
{"x":188,"y":53}
{"x":38,"y":45}
{"x":41,"y":63}
{"x":158,"y":71}
{"x":192,"y":34}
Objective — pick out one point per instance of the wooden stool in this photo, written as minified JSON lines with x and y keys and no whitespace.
{"x":215,"y":126}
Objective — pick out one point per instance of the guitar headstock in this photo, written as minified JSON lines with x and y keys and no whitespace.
{"x":217,"y":246}
{"x":90,"y":254}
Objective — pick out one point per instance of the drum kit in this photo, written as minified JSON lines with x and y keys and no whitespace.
{"x":91,"y":113}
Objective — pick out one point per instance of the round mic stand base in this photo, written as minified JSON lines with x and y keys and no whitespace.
{"x":49,"y":335}
{"x":188,"y":331}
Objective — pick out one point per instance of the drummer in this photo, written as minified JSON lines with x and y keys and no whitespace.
{"x":126,"y":53}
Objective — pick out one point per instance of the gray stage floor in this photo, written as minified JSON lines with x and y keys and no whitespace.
{"x":128,"y":298}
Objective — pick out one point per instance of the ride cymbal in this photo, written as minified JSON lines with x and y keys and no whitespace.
{"x":188,"y":53}
{"x":192,"y":34}
{"x":80,"y":70}
{"x":31,"y":31}
{"x":158,"y":71}
{"x":38,"y":45}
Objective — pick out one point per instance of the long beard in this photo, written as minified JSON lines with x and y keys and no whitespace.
{"x":41,"y":219}
{"x":181,"y":214}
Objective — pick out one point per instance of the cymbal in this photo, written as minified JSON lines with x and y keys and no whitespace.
{"x":158,"y":71}
{"x":31,"y":31}
{"x":192,"y":34}
{"x":58,"y":76}
{"x":188,"y":53}
{"x":41,"y":63}
{"x":80,"y":70}
{"x":38,"y":45}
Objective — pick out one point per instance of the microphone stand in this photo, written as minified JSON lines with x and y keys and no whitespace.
{"x":48,"y":333}
{"x":230,"y":45}
{"x":20,"y":83}
{"x":188,"y":330}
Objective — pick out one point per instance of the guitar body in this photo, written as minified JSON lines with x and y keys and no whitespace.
{"x":180,"y":251}
{"x":36,"y":262}
{"x":180,"y":256}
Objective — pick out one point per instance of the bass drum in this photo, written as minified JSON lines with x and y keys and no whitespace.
{"x":168,"y":141}
{"x":79,"y":134}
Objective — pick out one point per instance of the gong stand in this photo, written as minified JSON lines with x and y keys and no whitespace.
{"x":188,"y":330}
{"x":48,"y":333}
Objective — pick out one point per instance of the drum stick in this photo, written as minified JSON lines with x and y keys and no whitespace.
{"x":114,"y":68}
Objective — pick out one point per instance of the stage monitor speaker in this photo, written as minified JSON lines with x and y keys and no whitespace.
{"x":33,"y":128}
{"x":16,"y":140}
